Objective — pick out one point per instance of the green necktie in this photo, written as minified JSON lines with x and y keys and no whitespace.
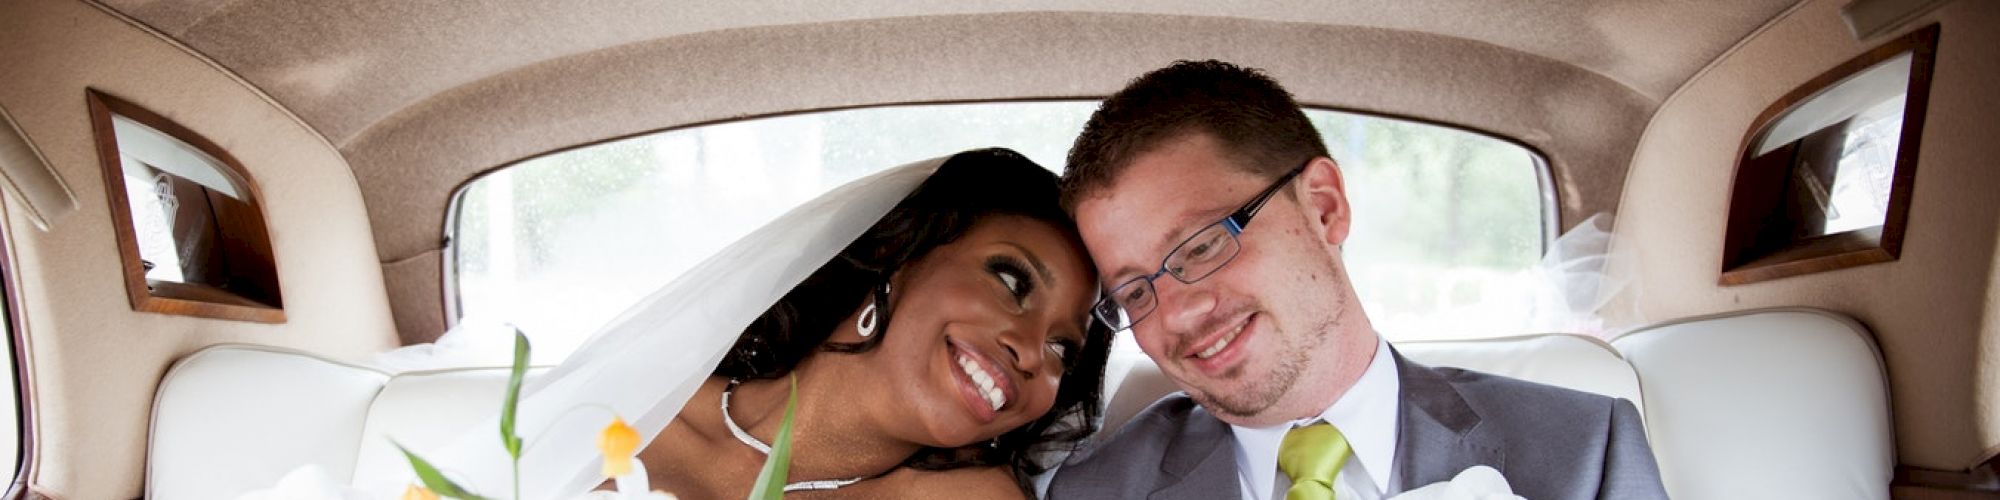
{"x":1312,"y":456}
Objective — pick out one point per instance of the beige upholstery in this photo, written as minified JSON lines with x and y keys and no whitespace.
{"x":96,"y":363}
{"x":1935,"y":310}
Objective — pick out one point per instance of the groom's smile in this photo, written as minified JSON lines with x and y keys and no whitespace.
{"x":1220,"y":352}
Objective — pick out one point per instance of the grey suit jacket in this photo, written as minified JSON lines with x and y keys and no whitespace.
{"x":1550,"y":443}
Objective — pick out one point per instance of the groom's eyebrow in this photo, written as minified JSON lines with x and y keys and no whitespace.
{"x":1186,"y":225}
{"x":1035,"y":262}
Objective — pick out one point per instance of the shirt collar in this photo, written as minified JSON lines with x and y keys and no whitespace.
{"x":1366,"y":416}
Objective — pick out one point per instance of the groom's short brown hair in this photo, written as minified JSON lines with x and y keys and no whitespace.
{"x":1256,"y":121}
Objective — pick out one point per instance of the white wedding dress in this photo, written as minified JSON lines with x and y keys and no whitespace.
{"x":647,"y":362}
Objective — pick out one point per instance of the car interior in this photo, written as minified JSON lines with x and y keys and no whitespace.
{"x":1770,"y":224}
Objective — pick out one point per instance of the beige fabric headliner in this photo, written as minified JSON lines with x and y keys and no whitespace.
{"x":358,"y":71}
{"x":347,"y":65}
{"x":1932,"y":311}
{"x":96,"y":361}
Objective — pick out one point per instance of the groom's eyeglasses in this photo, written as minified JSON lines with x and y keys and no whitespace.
{"x":1199,"y":256}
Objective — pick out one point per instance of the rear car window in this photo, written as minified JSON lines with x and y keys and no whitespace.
{"x":1446,"y":221}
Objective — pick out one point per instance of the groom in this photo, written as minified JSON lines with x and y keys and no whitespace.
{"x":1216,"y":216}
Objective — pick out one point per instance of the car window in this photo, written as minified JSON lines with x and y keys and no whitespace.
{"x":559,"y":244}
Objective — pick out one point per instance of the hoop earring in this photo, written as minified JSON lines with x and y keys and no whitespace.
{"x":865,"y":325}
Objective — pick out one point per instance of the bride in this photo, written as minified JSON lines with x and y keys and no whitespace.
{"x":938,"y":355}
{"x":936,"y":319}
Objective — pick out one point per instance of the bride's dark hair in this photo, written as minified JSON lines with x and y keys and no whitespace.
{"x":966,"y":188}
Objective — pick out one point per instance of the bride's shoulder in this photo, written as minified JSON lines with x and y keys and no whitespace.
{"x":701,"y":408}
{"x":995,"y":483}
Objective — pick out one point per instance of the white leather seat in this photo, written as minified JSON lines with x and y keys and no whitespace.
{"x":1784,"y":403}
{"x":1578,"y":362}
{"x":1584,"y":363}
{"x":259,"y":413}
{"x":425,"y":410}
{"x":235,"y":418}
{"x":1773,"y":403}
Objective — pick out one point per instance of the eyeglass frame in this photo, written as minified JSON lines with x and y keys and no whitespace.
{"x":1233,"y":224}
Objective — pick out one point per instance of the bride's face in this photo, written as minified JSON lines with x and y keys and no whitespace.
{"x":981,"y":329}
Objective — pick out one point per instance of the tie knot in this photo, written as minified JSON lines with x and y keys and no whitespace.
{"x":1313,"y":454}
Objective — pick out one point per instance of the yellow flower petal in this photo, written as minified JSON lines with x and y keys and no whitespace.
{"x":618,"y":443}
{"x":415,"y":492}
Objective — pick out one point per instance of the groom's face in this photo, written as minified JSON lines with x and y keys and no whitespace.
{"x":1237,"y":340}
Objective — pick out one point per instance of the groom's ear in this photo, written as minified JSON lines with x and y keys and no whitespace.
{"x":1322,"y":194}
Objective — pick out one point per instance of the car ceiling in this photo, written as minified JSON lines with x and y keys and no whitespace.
{"x":345,"y":66}
{"x":422,"y":96}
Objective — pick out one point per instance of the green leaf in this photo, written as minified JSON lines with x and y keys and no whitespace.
{"x":435,"y":480}
{"x":771,"y":481}
{"x":507,"y":436}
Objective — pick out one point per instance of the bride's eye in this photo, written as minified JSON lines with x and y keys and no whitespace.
{"x":1012,"y":274}
{"x":1013,"y":282}
{"x":1065,"y":349}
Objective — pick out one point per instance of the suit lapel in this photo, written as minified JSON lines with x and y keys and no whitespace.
{"x":1199,"y":463}
{"x":1436,"y":437}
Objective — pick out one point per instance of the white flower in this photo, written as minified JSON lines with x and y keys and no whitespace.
{"x":1476,"y":483}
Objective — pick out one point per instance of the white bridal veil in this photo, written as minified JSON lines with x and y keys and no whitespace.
{"x":648,"y":361}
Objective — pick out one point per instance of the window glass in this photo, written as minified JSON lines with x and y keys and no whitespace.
{"x":560,"y":244}
{"x":1447,"y":225}
{"x":188,"y":223}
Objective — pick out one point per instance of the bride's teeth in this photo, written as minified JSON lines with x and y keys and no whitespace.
{"x":987,"y":388}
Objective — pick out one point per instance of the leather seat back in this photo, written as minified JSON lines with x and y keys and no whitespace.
{"x":1784,"y":403}
{"x":1787,"y":403}
{"x":1584,"y":363}
{"x":232,"y":419}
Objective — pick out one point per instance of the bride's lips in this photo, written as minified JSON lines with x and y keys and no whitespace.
{"x":1223,"y":347}
{"x":980,"y":397}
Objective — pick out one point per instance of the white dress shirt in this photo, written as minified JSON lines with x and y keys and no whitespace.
{"x":1365,"y":415}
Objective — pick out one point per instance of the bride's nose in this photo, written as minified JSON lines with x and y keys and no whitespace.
{"x":1024,"y":347}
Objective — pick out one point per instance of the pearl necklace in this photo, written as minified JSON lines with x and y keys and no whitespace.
{"x":757,"y":444}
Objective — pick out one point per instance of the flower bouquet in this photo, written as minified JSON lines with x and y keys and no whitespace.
{"x":618,"y":443}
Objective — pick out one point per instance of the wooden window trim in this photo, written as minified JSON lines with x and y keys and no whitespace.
{"x":185,"y":299}
{"x":1841,"y":250}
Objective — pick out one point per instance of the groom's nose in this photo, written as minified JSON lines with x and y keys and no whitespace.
{"x":1182,"y":308}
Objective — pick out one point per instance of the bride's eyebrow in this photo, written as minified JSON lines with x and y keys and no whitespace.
{"x":1034,"y":261}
